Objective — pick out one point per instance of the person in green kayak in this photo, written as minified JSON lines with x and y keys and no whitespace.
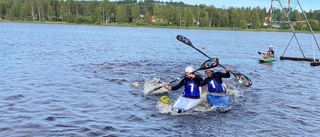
{"x":214,"y":80}
{"x":270,"y":52}
{"x":191,"y":83}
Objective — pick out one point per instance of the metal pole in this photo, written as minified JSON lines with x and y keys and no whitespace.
{"x":304,"y":14}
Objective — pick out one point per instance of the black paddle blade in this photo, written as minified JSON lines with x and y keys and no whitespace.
{"x":259,"y":52}
{"x":184,"y":40}
{"x":210,"y":63}
{"x":244,"y":80}
{"x":157,"y":88}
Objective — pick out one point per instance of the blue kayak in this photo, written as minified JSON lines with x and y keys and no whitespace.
{"x":221,"y":101}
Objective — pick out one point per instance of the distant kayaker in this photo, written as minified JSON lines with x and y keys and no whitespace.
{"x":214,"y":80}
{"x":191,"y":84}
{"x":270,"y":52}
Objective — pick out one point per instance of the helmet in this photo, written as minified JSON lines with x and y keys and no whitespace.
{"x":165,"y":99}
{"x":270,"y":46}
{"x":189,"y":69}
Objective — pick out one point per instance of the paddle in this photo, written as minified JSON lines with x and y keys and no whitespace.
{"x":210,"y":63}
{"x":261,"y":53}
{"x":244,"y":80}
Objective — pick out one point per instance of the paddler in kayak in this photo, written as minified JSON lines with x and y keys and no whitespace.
{"x":216,"y":88}
{"x":270,"y":52}
{"x":191,"y":83}
{"x":214,"y":80}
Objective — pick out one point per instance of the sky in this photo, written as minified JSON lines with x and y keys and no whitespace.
{"x":305,"y":4}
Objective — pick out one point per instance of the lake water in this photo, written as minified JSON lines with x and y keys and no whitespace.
{"x":78,"y":80}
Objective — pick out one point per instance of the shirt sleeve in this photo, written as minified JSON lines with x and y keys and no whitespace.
{"x":204,"y":82}
{"x":198,"y":79}
{"x":179,"y":85}
{"x":224,"y":75}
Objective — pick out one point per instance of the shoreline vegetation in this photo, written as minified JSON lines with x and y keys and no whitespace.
{"x":159,"y":14}
{"x":266,"y":29}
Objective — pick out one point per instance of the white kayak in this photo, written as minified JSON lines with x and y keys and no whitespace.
{"x":185,"y":104}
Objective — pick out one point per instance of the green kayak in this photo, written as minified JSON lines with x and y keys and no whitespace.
{"x":267,"y":60}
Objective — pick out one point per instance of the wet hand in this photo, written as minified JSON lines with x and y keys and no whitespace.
{"x":227,"y":69}
{"x":166,"y":86}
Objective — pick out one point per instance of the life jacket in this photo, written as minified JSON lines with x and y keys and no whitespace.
{"x":214,"y":86}
{"x":265,"y":56}
{"x":192,"y":89}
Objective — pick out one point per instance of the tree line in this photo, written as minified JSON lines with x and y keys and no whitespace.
{"x":144,"y":13}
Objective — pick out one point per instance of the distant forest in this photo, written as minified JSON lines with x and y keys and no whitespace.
{"x":148,"y":12}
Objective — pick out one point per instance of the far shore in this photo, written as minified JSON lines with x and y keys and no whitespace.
{"x":266,"y":29}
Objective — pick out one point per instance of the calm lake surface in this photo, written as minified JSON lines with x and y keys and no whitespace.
{"x":77,"y":80}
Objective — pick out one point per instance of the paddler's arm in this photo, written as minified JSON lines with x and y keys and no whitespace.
{"x":166,"y":86}
{"x":225,"y":75}
{"x":198,"y":78}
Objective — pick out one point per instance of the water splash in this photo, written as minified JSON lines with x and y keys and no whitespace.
{"x":164,"y":108}
{"x":152,"y":84}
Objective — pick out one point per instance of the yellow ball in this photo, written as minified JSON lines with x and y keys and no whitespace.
{"x":165,"y":99}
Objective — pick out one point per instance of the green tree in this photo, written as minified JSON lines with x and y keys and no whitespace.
{"x":297,"y":17}
{"x":121,"y":14}
{"x":233,"y":17}
{"x":14,"y":11}
{"x":2,"y":10}
{"x":4,"y":7}
{"x":255,"y":19}
{"x":49,"y":13}
{"x":157,"y":11}
{"x":225,"y":21}
{"x":24,"y":12}
{"x":217,"y":18}
{"x":135,"y":12}
{"x":98,"y":16}
{"x":147,"y":17}
{"x":128,"y":11}
{"x":32,"y":8}
{"x":262,"y":15}
{"x":188,"y":17}
{"x":314,"y":25}
{"x":211,"y":11}
{"x":107,"y":9}
{"x":242,"y":18}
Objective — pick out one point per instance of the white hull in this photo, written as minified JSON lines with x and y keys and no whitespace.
{"x":185,"y":104}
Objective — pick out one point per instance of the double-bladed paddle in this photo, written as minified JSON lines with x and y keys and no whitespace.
{"x":244,"y":80}
{"x":210,"y":63}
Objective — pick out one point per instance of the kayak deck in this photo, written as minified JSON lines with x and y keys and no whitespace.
{"x":184,"y":104}
{"x":267,"y":60}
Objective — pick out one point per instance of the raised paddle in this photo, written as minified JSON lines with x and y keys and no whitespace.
{"x":244,"y":80}
{"x":260,"y":53}
{"x":210,"y":63}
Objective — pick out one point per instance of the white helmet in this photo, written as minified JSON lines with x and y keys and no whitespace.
{"x":189,"y":69}
{"x":270,"y":46}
